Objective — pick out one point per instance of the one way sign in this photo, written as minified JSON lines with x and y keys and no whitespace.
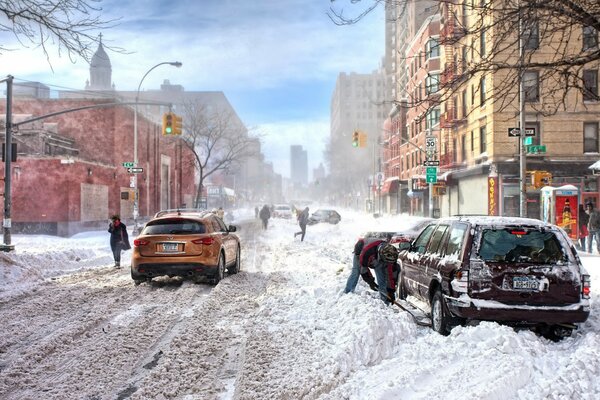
{"x":514,"y":132}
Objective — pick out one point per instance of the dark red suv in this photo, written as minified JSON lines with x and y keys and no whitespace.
{"x":517,"y":271}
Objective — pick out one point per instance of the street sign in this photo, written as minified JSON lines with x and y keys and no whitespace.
{"x":137,"y":170}
{"x":528,"y":141}
{"x":431,"y":174}
{"x":431,"y":178}
{"x":536,"y":149}
{"x":128,"y":164}
{"x":430,"y":143}
{"x":515,"y":132}
{"x":431,"y":163}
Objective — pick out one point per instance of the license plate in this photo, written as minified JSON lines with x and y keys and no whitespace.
{"x":525,"y":283}
{"x":169,"y":247}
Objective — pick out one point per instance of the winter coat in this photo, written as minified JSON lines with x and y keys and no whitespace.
{"x":303,"y":218}
{"x":119,"y":237}
{"x":265,"y":213}
{"x":594,"y":224}
{"x":584,"y":219}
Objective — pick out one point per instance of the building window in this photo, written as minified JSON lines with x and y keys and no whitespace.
{"x":531,"y":36}
{"x":482,"y":91}
{"x":590,"y":38}
{"x":472,"y":95}
{"x":432,"y":48}
{"x":590,"y":137}
{"x":531,"y":83}
{"x":463,"y":148}
{"x":472,"y":141}
{"x":433,"y":118}
{"x":432,"y":83}
{"x":482,"y":139}
{"x":590,"y":85}
{"x":537,"y":138}
{"x":482,"y":43}
{"x":464,"y":104}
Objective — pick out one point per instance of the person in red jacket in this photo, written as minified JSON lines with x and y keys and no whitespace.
{"x":358,"y":270}
{"x":379,"y":255}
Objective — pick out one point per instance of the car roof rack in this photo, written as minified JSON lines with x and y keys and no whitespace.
{"x":180,"y":211}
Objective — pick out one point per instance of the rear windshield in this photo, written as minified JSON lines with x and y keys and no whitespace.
{"x":173,"y":227}
{"x":521,"y":245}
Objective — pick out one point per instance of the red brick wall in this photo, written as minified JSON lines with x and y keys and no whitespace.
{"x":44,"y":190}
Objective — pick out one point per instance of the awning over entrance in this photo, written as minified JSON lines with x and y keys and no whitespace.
{"x":595,"y":166}
{"x":390,"y":185}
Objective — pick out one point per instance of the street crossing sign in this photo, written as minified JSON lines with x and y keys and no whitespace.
{"x":137,"y":170}
{"x":128,"y":164}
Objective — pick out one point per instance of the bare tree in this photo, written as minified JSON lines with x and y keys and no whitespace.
{"x":218,"y":140}
{"x":480,"y":38}
{"x":70,"y":25}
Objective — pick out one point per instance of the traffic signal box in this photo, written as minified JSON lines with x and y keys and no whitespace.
{"x":178,"y":127}
{"x":539,"y":179}
{"x":168,"y":123}
{"x":355,"y":138}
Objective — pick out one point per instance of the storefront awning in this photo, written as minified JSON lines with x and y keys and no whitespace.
{"x":595,"y":165}
{"x":390,"y":185}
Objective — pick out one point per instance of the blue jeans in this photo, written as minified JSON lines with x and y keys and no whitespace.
{"x":593,"y":235}
{"x":381,"y":275}
{"x":354,"y":273}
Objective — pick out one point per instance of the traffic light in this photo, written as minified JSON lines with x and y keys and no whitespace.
{"x":362,"y":139}
{"x":167,"y":123}
{"x":355,"y":139}
{"x":541,"y":179}
{"x":178,"y":125}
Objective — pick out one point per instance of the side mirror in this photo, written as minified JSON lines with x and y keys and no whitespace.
{"x":232,"y":228}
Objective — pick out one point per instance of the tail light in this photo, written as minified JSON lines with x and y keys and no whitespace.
{"x":460,"y":281}
{"x":140,"y":242}
{"x":585,"y":290}
{"x":205,"y":241}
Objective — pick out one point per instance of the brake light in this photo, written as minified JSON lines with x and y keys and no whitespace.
{"x":140,"y":242}
{"x":205,"y":241}
{"x":585,"y":291}
{"x":461,"y":281}
{"x":517,"y":232}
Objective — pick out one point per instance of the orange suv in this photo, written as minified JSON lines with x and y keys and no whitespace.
{"x":189,"y":243}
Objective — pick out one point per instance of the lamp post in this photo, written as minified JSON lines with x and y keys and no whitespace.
{"x":135,"y":141}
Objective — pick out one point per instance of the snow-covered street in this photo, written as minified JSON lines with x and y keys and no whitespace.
{"x":74,"y":327}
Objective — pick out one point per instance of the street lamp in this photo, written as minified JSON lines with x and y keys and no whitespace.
{"x":135,"y":140}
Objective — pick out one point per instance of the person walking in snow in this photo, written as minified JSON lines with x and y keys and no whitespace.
{"x":583,"y":229}
{"x":593,"y":227}
{"x":264,"y":215}
{"x":221,"y":213}
{"x":119,"y":240}
{"x":302,"y":221}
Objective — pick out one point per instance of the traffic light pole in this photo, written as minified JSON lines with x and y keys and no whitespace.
{"x":522,"y":153}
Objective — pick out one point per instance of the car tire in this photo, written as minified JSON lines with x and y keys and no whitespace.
{"x":220,"y":270}
{"x":235,"y":268}
{"x":439,"y":314}
{"x":137,"y":279}
{"x":401,"y":292}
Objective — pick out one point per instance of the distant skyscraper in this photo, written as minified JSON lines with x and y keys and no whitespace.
{"x":298,"y":165}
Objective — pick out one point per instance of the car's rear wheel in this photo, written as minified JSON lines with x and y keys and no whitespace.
{"x":220,"y":269}
{"x":439,"y":314}
{"x":235,"y":268}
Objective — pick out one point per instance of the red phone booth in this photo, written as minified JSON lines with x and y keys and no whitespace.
{"x":560,"y":206}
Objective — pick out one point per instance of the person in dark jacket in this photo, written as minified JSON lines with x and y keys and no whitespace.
{"x":358,"y":270}
{"x":119,"y":240}
{"x":386,"y":271}
{"x":583,"y":229}
{"x":265,"y":214}
{"x":593,"y":227}
{"x":302,"y":221}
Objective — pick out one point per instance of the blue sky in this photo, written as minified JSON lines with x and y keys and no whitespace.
{"x":276,"y":60}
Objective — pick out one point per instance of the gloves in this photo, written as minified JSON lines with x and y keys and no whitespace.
{"x":374,"y":287}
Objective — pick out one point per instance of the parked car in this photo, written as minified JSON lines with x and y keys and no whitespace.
{"x":517,"y":271}
{"x":408,"y":233}
{"x":282,"y":211}
{"x":324,"y":215}
{"x":189,"y":243}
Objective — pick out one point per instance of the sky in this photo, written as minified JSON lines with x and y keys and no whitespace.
{"x":276,"y":61}
{"x":75,"y":327}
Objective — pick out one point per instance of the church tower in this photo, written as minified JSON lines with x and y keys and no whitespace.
{"x":100,"y":71}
